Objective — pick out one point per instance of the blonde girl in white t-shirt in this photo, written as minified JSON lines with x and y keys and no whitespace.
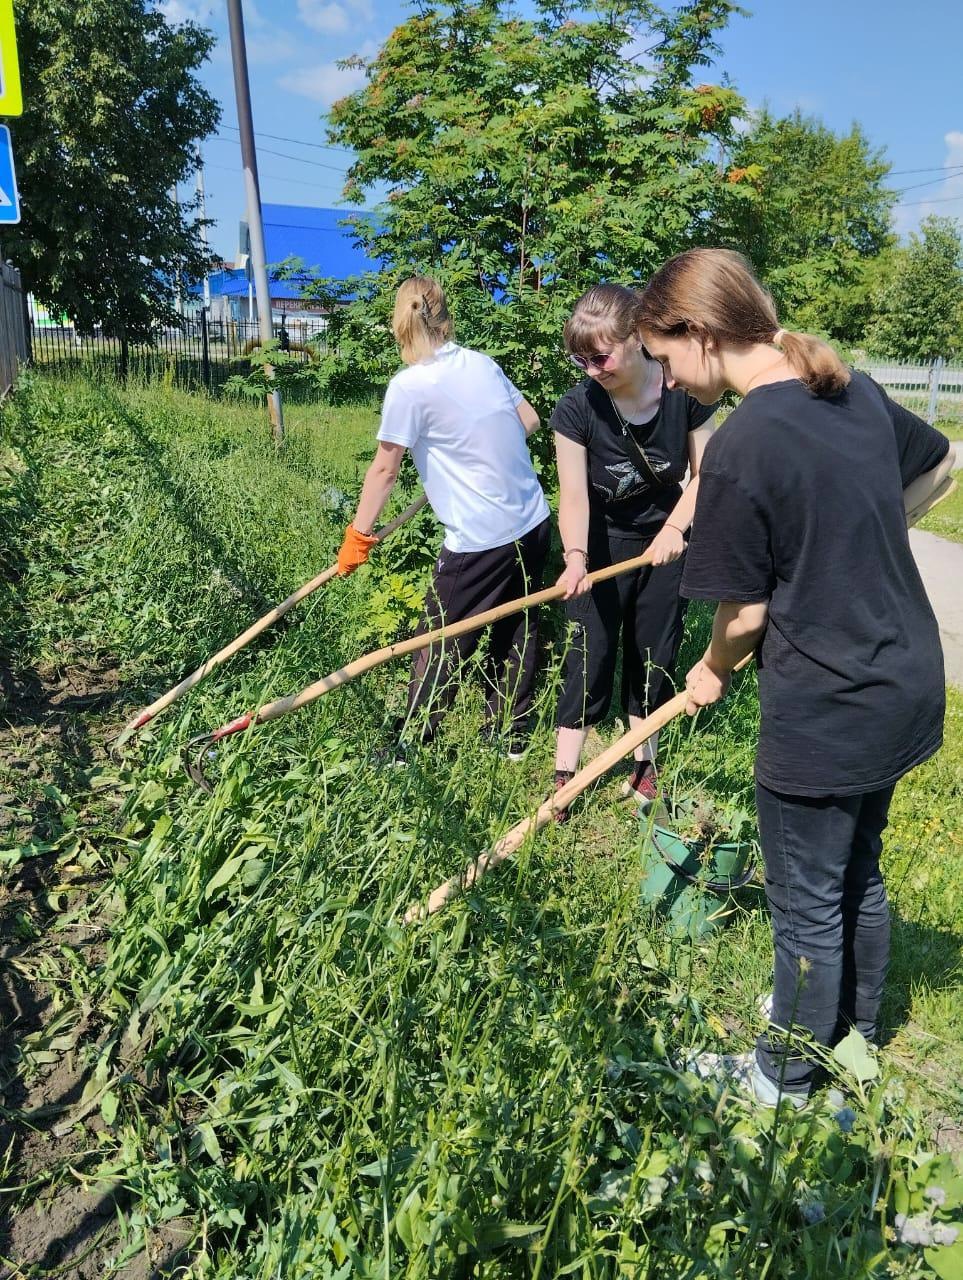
{"x":466,"y":426}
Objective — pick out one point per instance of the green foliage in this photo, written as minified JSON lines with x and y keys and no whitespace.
{"x":315,"y":1089}
{"x":113,"y":112}
{"x":527,"y":159}
{"x":809,"y":209}
{"x":919,"y":307}
{"x":710,"y":819}
{"x":271,"y":369}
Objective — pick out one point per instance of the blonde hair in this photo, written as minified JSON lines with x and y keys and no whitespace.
{"x":421,"y":321}
{"x":606,"y":313}
{"x":713,"y":294}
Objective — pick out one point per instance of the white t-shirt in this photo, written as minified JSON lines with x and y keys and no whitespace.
{"x":456,"y":412}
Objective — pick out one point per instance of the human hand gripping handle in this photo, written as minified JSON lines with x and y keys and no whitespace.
{"x":355,"y":550}
{"x":705,"y":685}
{"x":667,"y":545}
{"x":574,"y":579}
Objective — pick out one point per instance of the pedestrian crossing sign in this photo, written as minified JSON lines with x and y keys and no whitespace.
{"x":11,"y":99}
{"x":9,"y":198}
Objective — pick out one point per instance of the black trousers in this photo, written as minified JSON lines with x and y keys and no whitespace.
{"x":644,"y":608}
{"x":466,"y":583}
{"x":830,"y":920}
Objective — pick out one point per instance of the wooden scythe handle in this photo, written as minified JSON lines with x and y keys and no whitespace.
{"x":513,"y":839}
{"x":293,"y":701}
{"x":255,"y":629}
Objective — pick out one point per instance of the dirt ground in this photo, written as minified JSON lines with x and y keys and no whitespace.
{"x":54,"y":1216}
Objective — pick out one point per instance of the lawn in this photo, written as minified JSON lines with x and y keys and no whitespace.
{"x":261,"y":1069}
{"x":946,"y":519}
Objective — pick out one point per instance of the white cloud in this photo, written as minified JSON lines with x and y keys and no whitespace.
{"x":324,"y":83}
{"x":334,"y":16}
{"x":265,"y":47}
{"x":944,"y":197}
{"x":175,"y":11}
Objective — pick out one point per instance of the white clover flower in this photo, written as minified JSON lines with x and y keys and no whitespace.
{"x":916,"y":1230}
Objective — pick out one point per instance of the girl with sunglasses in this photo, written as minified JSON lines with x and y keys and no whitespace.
{"x":466,"y":426}
{"x":624,"y":441}
{"x":800,"y":532}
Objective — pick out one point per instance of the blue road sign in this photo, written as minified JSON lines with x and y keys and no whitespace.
{"x":9,"y":198}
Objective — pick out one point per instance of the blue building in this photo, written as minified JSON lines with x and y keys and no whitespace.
{"x":314,"y":236}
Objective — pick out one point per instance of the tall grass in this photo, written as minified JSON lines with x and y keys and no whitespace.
{"x":320,"y":1091}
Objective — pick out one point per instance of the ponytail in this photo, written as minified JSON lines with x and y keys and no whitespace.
{"x":421,"y":321}
{"x":817,"y":364}
{"x":712,"y":293}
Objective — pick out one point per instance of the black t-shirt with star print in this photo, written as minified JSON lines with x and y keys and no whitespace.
{"x":619,"y":493}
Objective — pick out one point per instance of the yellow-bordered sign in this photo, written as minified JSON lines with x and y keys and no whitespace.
{"x":11,"y":99}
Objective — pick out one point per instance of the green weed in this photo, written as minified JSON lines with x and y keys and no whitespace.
{"x":500,"y":1092}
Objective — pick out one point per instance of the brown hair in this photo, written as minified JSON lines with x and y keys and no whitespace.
{"x":713,"y":294}
{"x":607,"y":312}
{"x":421,"y":321}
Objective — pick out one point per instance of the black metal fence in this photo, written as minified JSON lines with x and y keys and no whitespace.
{"x":14,"y":337}
{"x":200,"y":353}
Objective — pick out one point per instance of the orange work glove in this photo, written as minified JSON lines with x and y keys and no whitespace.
{"x":354,"y":550}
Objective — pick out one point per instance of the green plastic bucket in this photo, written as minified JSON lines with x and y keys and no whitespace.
{"x":689,"y":887}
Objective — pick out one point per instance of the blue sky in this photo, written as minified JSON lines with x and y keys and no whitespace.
{"x":896,"y":69}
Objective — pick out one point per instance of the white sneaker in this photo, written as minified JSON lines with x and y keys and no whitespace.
{"x":742,"y":1071}
{"x":764,"y":1007}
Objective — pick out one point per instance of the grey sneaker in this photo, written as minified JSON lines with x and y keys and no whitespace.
{"x":742,"y":1071}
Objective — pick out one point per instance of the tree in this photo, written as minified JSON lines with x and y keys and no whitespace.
{"x":113,"y":113}
{"x":919,"y":308}
{"x":529,"y":159}
{"x":810,"y":210}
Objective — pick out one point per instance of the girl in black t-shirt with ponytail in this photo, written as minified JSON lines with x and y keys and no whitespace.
{"x":624,"y":441}
{"x":800,"y":532}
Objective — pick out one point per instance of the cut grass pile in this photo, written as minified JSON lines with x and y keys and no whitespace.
{"x":316,"y":1090}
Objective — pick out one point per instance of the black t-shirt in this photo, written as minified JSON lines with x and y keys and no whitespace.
{"x":618,"y":491}
{"x":801,"y":503}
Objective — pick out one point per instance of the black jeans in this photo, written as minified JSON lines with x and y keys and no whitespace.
{"x":642,"y":606}
{"x":466,"y":583}
{"x":830,"y":921}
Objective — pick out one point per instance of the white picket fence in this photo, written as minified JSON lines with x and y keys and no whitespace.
{"x":934,"y":391}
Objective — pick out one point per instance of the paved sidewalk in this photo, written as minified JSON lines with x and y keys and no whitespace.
{"x":940,"y":563}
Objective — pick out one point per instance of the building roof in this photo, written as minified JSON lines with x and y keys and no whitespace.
{"x":316,"y":236}
{"x":326,"y":248}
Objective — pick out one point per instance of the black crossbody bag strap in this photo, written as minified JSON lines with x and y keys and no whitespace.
{"x":636,"y":449}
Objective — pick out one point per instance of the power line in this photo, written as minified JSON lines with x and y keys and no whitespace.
{"x":283,"y":155}
{"x":909,"y":204}
{"x":274,"y":177}
{"x":298,"y":142}
{"x":936,"y":168}
{"x":933,"y":182}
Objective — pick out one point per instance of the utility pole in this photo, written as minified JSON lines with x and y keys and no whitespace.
{"x":245,"y":121}
{"x":178,"y":294}
{"x":203,"y":212}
